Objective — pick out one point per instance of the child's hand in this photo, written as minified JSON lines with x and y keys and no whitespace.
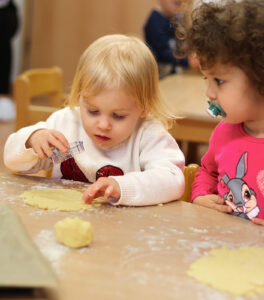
{"x":213,"y":201}
{"x":42,"y":140}
{"x":258,"y":221}
{"x":104,"y":186}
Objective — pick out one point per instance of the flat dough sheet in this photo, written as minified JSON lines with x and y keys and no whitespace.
{"x":55,"y":199}
{"x":237,"y":271}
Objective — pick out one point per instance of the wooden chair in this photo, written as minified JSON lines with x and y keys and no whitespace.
{"x":38,"y":93}
{"x":189,"y":174}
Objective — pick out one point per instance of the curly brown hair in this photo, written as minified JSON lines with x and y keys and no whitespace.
{"x":227,"y":32}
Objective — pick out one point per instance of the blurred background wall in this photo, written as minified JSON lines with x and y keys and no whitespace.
{"x":17,"y":41}
{"x":57,"y":32}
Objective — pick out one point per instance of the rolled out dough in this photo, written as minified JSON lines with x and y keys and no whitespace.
{"x":59,"y":199}
{"x":74,"y":232}
{"x":237,"y":271}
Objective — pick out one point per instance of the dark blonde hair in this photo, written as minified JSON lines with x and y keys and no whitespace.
{"x":228,"y":32}
{"x":124,"y":62}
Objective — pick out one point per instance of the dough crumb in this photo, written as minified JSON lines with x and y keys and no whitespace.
{"x":74,"y":232}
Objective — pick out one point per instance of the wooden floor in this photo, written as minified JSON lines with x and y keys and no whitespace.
{"x":6,"y":128}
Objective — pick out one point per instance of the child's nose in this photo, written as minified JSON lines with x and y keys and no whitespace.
{"x":210,"y":93}
{"x":104,"y":123}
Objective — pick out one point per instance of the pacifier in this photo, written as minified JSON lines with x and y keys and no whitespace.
{"x":215,"y":110}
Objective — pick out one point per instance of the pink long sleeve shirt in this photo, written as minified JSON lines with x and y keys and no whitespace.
{"x":233,"y":168}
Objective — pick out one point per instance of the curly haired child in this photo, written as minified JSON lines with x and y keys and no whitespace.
{"x":227,"y":38}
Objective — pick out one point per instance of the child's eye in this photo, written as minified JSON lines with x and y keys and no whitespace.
{"x":219,"y":81}
{"x":93,"y":112}
{"x":118,"y":117}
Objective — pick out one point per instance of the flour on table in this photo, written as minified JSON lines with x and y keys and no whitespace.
{"x":50,"y":248}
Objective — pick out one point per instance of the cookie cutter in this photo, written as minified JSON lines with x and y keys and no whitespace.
{"x":74,"y":148}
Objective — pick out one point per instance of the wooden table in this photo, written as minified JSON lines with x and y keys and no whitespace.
{"x":187,"y":94}
{"x":137,"y":253}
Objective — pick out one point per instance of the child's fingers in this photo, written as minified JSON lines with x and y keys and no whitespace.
{"x":102,"y":187}
{"x":52,"y":140}
{"x":222,"y":208}
{"x":39,"y":151}
{"x":112,"y":192}
{"x":42,"y":140}
{"x":220,"y":204}
{"x":90,"y":193}
{"x":258,"y":221}
{"x":108,"y":191}
{"x":217,"y":199}
{"x":60,"y":137}
{"x":97,"y":189}
{"x":215,"y":202}
{"x":87,"y":196}
{"x":46,"y":149}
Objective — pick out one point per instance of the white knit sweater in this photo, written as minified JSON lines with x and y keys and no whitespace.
{"x":150,"y":159}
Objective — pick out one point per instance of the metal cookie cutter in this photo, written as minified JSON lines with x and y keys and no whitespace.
{"x":214,"y":110}
{"x":74,"y":148}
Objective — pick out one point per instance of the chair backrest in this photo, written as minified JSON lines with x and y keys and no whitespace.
{"x":189,"y":174}
{"x":34,"y":84}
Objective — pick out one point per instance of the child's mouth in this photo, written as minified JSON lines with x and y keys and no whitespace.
{"x":102,"y":138}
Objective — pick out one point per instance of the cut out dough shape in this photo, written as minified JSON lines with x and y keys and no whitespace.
{"x":58,"y":199}
{"x":237,"y":271}
{"x":74,"y":232}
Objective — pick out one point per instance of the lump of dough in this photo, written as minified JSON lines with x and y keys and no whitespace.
{"x":74,"y":233}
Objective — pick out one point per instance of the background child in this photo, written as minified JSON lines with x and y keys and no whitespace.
{"x":229,"y":43}
{"x":160,"y":37}
{"x":116,"y":110}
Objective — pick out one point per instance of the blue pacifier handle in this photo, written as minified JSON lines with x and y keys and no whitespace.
{"x":214,"y":110}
